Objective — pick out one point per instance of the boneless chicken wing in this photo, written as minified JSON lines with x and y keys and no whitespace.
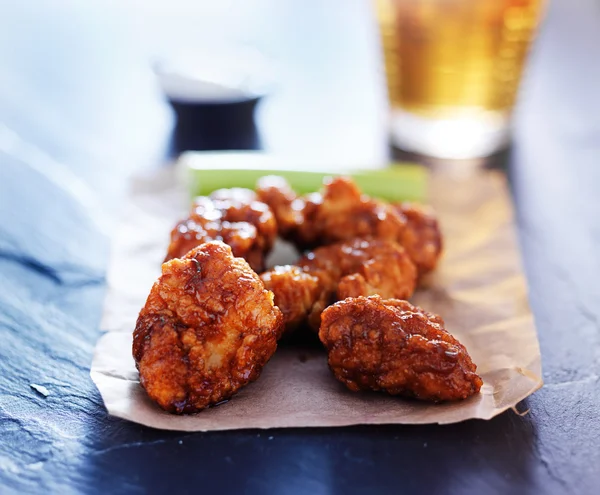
{"x":339,"y":212}
{"x":295,"y":290}
{"x":233,"y":216}
{"x":375,"y":266}
{"x":286,"y":206}
{"x":395,"y":347}
{"x":360,"y":267}
{"x":403,"y":305}
{"x":422,"y":238}
{"x":207,"y":329}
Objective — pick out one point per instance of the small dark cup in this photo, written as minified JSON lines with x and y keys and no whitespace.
{"x":216,"y":125}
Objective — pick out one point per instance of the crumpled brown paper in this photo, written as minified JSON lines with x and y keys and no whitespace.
{"x":479,"y":289}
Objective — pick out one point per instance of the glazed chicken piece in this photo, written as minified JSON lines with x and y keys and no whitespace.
{"x":403,"y":305}
{"x":207,"y":329}
{"x":422,"y":238}
{"x":296,"y":293}
{"x":341,"y":212}
{"x":295,"y":290}
{"x":348,"y":269}
{"x":233,"y":216}
{"x":362,"y":267}
{"x":286,"y":206}
{"x":395,"y":347}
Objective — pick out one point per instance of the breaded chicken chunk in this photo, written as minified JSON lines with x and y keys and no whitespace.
{"x":233,"y":216}
{"x":422,"y":238}
{"x":403,"y":305}
{"x":363,"y":267}
{"x":339,"y":212}
{"x":207,"y":329}
{"x":360,"y":267}
{"x":295,"y":290}
{"x":283,"y":201}
{"x":394,"y":347}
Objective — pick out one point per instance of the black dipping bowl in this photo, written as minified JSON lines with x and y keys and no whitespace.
{"x":216,"y":125}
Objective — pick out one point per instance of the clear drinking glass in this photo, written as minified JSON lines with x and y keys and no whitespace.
{"x":453,"y":69}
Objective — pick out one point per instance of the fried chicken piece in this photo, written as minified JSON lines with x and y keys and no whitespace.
{"x":295,"y":290}
{"x":405,"y":306}
{"x":360,"y":267}
{"x":339,"y":212}
{"x":394,"y":347}
{"x":233,"y":216}
{"x":345,"y":213}
{"x":422,"y":238}
{"x":286,"y":206}
{"x":207,"y":329}
{"x":363,"y":267}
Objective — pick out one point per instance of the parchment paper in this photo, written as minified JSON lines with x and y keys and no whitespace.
{"x":479,"y":289}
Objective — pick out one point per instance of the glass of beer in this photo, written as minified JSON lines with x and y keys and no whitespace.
{"x":453,"y":69}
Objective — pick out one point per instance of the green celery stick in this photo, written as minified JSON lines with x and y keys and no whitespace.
{"x":399,"y":182}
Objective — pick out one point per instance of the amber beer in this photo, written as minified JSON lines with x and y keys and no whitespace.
{"x":453,"y":69}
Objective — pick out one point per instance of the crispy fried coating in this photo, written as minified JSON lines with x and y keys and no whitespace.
{"x":404,"y":306}
{"x":339,"y":212}
{"x":422,"y":238}
{"x":363,"y":267}
{"x":299,"y":295}
{"x":286,"y":206}
{"x":360,"y":267}
{"x":345,"y":213}
{"x":207,"y":329}
{"x":295,"y":290}
{"x":394,"y":347}
{"x":233,"y":216}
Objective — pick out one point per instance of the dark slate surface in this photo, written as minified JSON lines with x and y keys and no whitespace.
{"x":68,"y":137}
